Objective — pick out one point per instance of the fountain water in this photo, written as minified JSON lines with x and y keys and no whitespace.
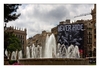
{"x":58,"y":51}
{"x":6,"y":52}
{"x":76,"y":52}
{"x":50,"y":48}
{"x":50,"y":52}
{"x":36,"y":51}
{"x":20,"y":54}
{"x":63,"y":51}
{"x":27,"y":52}
{"x":33,"y":51}
{"x":13,"y":56}
{"x":70,"y":52}
{"x":40,"y":52}
{"x":45,"y":48}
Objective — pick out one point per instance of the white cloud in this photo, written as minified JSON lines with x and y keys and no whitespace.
{"x":39,"y":17}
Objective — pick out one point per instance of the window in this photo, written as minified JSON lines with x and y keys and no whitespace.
{"x":89,"y":33}
{"x":89,"y":47}
{"x":90,"y":28}
{"x":90,"y":36}
{"x":23,"y":42}
{"x":94,"y":36}
{"x":21,"y":36}
{"x":94,"y":30}
{"x":90,"y":41}
{"x":94,"y":43}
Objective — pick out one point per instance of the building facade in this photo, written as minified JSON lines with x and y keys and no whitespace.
{"x":21,"y":34}
{"x":93,"y":13}
{"x":89,"y":39}
{"x":89,"y":33}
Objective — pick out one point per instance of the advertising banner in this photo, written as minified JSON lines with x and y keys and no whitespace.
{"x":71,"y":34}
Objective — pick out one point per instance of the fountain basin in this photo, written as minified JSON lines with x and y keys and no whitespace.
{"x":54,"y":61}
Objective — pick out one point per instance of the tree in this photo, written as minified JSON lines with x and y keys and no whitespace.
{"x":6,"y":37}
{"x":10,"y":12}
{"x":14,"y":43}
{"x":11,"y":42}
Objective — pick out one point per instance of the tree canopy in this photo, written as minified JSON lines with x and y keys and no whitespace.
{"x":11,"y":42}
{"x":10,"y":12}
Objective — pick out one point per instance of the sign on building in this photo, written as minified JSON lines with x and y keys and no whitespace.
{"x":71,"y":34}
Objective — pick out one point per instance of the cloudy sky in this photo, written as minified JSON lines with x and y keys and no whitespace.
{"x":38,"y":17}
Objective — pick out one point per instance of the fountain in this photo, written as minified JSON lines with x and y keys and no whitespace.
{"x":33,"y":51}
{"x":70,"y":51}
{"x":27,"y":52}
{"x":57,"y":55}
{"x":63,"y":51}
{"x":40,"y":52}
{"x":76,"y":52}
{"x":50,"y":48}
{"x":37,"y":51}
{"x":6,"y":53}
{"x":73,"y":52}
{"x":64,"y":55}
{"x":45,"y":48}
{"x":20,"y":54}
{"x":13,"y":56}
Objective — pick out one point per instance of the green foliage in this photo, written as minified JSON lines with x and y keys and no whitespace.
{"x":13,"y":43}
{"x":6,"y":36}
{"x":12,"y":61}
{"x":10,"y":12}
